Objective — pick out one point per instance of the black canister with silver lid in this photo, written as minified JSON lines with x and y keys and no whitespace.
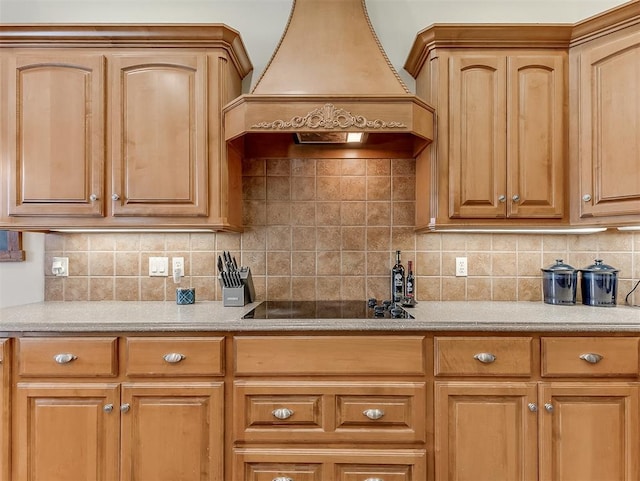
{"x":559,"y":283}
{"x":599,"y":284}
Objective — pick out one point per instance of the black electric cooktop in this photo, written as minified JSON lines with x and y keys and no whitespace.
{"x":326,"y":310}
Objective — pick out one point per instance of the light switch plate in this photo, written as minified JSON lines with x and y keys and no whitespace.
{"x":158,"y":266}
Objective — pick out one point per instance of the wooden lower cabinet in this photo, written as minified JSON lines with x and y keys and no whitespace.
{"x":85,"y":432}
{"x":485,"y":431}
{"x":66,"y":432}
{"x":172,"y":432}
{"x":5,"y":411}
{"x":348,"y":464}
{"x":589,"y":431}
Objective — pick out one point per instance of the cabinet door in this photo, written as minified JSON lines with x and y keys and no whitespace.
{"x":65,"y":432}
{"x":4,"y":410}
{"x":55,"y":144}
{"x":485,"y":431}
{"x":477,"y":136}
{"x":172,"y":431}
{"x":609,"y":121}
{"x":159,"y":134}
{"x":536,"y":138}
{"x":589,"y":431}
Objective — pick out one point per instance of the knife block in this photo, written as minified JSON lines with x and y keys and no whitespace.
{"x":239,"y":296}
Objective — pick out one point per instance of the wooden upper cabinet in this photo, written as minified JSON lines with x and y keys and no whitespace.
{"x":159,"y":134}
{"x":605,"y":143}
{"x":119,"y":126}
{"x":55,"y":142}
{"x":501,"y":149}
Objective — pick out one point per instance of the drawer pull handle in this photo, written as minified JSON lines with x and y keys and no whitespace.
{"x":374,"y":479}
{"x":107,"y":408}
{"x":64,"y":358}
{"x":373,"y":414}
{"x":548,"y":407}
{"x":173,"y":357}
{"x":485,"y":357}
{"x":533,"y":407}
{"x":282,"y":413}
{"x":591,"y":358}
{"x":283,"y":478}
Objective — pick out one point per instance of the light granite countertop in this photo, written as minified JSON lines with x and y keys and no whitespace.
{"x":152,"y":316}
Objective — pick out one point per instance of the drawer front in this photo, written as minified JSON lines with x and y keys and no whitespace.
{"x":300,"y":411}
{"x":67,"y":356}
{"x":333,"y":355}
{"x":174,"y":356}
{"x":483,"y":356}
{"x":263,"y":464}
{"x":590,"y":356}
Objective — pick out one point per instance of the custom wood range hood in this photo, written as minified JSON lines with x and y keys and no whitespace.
{"x":328,"y":77}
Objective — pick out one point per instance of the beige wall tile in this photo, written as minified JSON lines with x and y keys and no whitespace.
{"x":378,"y":188}
{"x":328,"y":188}
{"x":101,"y":263}
{"x":278,"y":213}
{"x":303,"y":238}
{"x":303,"y":213}
{"x":328,"y":263}
{"x":279,"y":288}
{"x":354,"y":264}
{"x":303,"y":263}
{"x":152,"y":288}
{"x":353,"y":238}
{"x":354,"y":167}
{"x":76,"y":289}
{"x":278,"y":188}
{"x":328,"y":213}
{"x":128,"y":264}
{"x":478,"y":289}
{"x":353,"y":288}
{"x":381,"y":167}
{"x":101,"y":288}
{"x":279,"y":167}
{"x":127,"y":288}
{"x":504,"y":288}
{"x":279,"y":263}
{"x":353,"y":213}
{"x":303,"y":188}
{"x":303,"y":167}
{"x":53,"y":289}
{"x":353,"y":188}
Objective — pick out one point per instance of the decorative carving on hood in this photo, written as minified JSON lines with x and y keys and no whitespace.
{"x":328,"y":117}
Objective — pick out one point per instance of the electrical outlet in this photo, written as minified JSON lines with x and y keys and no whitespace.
{"x":461,"y":267}
{"x":158,"y":266}
{"x":177,"y":265}
{"x":60,"y":266}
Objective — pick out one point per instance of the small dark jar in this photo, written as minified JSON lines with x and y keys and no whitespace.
{"x":599,"y":284}
{"x":559,"y":283}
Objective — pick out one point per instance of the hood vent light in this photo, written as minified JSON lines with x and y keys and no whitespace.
{"x":330,"y":137}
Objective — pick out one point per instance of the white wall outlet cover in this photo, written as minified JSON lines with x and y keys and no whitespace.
{"x":461,"y":266}
{"x":60,"y":266}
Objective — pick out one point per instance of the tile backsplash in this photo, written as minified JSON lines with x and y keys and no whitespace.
{"x":329,"y":229}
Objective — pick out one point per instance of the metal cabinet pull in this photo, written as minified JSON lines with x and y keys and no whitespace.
{"x":64,"y":358}
{"x":485,"y":357}
{"x":533,"y":407}
{"x":373,"y":414}
{"x":591,"y":357}
{"x":125,"y":408}
{"x":173,"y":357}
{"x":586,"y":197}
{"x":107,"y":408}
{"x":374,"y":479}
{"x":548,"y":407}
{"x":93,"y":197}
{"x":515,"y":198}
{"x":283,"y":478}
{"x":115,"y":197}
{"x":282,"y":413}
{"x":502,"y":198}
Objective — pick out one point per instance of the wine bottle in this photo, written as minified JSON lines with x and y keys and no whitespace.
{"x":410,"y":284}
{"x":397,"y":280}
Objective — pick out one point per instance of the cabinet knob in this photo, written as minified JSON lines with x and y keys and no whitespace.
{"x":283,"y":478}
{"x":64,"y":358}
{"x":115,"y":197}
{"x":533,"y":407}
{"x":125,"y":408}
{"x":373,"y":414}
{"x":548,"y":407}
{"x":515,"y":198}
{"x":282,"y":413}
{"x":591,"y":357}
{"x":485,"y":357}
{"x":173,"y":357}
{"x":586,"y":197}
{"x":93,"y":197}
{"x":502,"y":198}
{"x":107,"y":408}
